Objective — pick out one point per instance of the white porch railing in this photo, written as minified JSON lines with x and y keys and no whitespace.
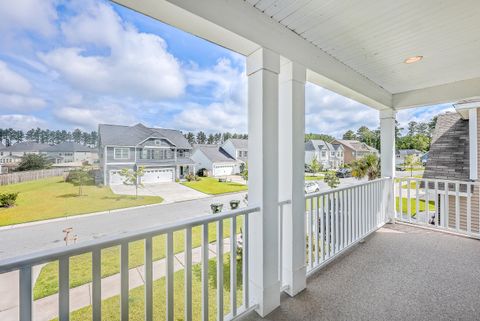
{"x":440,"y":204}
{"x":339,"y":218}
{"x":63,"y":254}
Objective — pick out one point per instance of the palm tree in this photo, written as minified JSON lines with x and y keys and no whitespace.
{"x":369,"y":166}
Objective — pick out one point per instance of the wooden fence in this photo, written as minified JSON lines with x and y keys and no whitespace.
{"x":19,"y":177}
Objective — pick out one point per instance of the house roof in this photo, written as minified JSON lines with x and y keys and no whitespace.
{"x":449,"y":151}
{"x":408,"y":151}
{"x":2,"y":146}
{"x":119,"y":135}
{"x":356,"y":145}
{"x":239,"y":143}
{"x":69,"y":147}
{"x":318,"y":145}
{"x":26,"y":147}
{"x":215,"y":153}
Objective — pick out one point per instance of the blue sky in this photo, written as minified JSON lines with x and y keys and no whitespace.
{"x":69,"y":64}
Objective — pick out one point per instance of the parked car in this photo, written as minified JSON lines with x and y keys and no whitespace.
{"x":400,"y":168}
{"x":311,"y":187}
{"x":308,"y":169}
{"x":344,"y":172}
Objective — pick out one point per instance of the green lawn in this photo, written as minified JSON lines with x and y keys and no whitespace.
{"x":52,"y":198}
{"x":210,"y":185}
{"x":314,"y":178}
{"x":413,"y":205}
{"x":111,"y":306}
{"x":80,"y":266}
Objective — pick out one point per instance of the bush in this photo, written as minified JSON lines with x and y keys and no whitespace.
{"x":8,"y":199}
{"x":32,"y":162}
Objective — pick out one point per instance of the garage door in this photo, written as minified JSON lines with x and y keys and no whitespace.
{"x":115,"y":178}
{"x":223,"y":170}
{"x":157,"y":175}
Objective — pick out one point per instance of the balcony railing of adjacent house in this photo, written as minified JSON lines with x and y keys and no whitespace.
{"x":447,"y":205}
{"x":334,"y":221}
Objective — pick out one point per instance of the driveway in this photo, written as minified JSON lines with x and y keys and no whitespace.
{"x":170,"y":192}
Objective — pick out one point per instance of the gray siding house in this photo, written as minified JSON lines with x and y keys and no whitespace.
{"x":165,"y":153}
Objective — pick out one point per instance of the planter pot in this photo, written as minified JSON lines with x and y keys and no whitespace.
{"x":234,"y":204}
{"x":216,"y":208}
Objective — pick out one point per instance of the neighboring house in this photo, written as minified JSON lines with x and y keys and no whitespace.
{"x":424,"y":158}
{"x":237,"y":148}
{"x":165,"y":153}
{"x":354,"y":150}
{"x":21,"y":149}
{"x":330,"y":156}
{"x":453,"y":156}
{"x":402,"y":153}
{"x":70,"y":153}
{"x":216,"y":160}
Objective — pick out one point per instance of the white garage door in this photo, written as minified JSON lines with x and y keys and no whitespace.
{"x":115,"y":178}
{"x":223,"y":170}
{"x":157,"y":175}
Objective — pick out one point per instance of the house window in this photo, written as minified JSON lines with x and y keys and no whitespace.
{"x":150,"y":153}
{"x":332,"y":153}
{"x":121,"y":153}
{"x":181,"y":153}
{"x":239,"y":153}
{"x":245,"y":153}
{"x":324,"y":154}
{"x":158,"y":142}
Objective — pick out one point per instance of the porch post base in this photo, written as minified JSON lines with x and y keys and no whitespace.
{"x":296,"y":280}
{"x":268,"y":298}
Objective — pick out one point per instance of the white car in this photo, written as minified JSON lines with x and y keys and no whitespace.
{"x":311,"y":187}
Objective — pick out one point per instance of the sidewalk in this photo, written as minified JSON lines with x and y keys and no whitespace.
{"x":46,"y":309}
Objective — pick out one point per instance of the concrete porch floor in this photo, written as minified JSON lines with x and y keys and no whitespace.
{"x":400,"y":273}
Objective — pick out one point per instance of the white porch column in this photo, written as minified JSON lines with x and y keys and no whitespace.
{"x":291,"y":160}
{"x":262,"y":70}
{"x":387,"y":154}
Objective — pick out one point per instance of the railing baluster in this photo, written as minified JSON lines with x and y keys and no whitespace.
{"x":148,"y":279}
{"x":447,"y":205}
{"x":310,"y":234}
{"x":245,"y":245}
{"x":400,"y":200}
{"x":205,"y":272}
{"x":280,"y":246}
{"x":64,"y":288}
{"x":188,"y":274}
{"x":417,"y":199}
{"x":96,"y":285}
{"x":437,"y":209}
{"x":469,"y":209}
{"x":233,"y":264}
{"x":457,"y":207}
{"x":427,"y":199}
{"x":220,"y":270}
{"x":124,"y":282}
{"x":169,"y":277}
{"x":342,"y":219}
{"x":409,"y":205}
{"x":322,"y":228}
{"x":25,"y":288}
{"x":336,"y":239}
{"x":327,"y":223}
{"x":315,"y":228}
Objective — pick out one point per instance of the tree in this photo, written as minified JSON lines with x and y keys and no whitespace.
{"x":244,"y":171}
{"x":32,"y":162}
{"x":331,"y":179}
{"x":201,"y":137}
{"x":315,"y":165}
{"x":349,"y":135}
{"x":190,"y":137}
{"x":77,"y":136}
{"x":210,"y":139}
{"x":410,"y":162}
{"x":412,"y":128}
{"x":80,"y":177}
{"x":369,"y":166}
{"x":133,"y":177}
{"x":323,"y":137}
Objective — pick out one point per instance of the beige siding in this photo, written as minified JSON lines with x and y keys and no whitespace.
{"x":475,"y":210}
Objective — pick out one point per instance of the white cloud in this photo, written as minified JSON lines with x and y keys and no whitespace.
{"x":330,"y":113}
{"x":28,"y":15}
{"x":421,"y":114}
{"x":89,"y":118}
{"x":122,"y":62}
{"x":227,"y":86}
{"x":23,"y":122}
{"x":12,"y":82}
{"x":20,"y":103}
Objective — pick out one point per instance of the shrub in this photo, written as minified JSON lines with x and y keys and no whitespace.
{"x":8,"y":199}
{"x":32,"y":162}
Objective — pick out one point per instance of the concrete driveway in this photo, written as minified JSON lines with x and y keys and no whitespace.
{"x":170,"y":192}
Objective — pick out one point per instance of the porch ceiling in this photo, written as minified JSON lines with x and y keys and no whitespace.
{"x":356,"y":48}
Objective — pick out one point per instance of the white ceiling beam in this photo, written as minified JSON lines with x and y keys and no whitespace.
{"x":448,"y":93}
{"x":239,"y":27}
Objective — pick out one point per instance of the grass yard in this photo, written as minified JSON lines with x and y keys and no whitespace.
{"x":111,"y":306}
{"x":315,"y":178}
{"x":210,"y":185}
{"x":80,"y":266}
{"x":413,"y":205}
{"x":53,"y":198}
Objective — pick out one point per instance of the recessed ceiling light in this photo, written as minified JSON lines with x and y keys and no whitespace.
{"x":411,"y":60}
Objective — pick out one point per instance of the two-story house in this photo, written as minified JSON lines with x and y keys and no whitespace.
{"x":222,"y":160}
{"x":354,"y":150}
{"x":402,"y":153}
{"x":165,"y":153}
{"x":330,"y":156}
{"x":70,"y":153}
